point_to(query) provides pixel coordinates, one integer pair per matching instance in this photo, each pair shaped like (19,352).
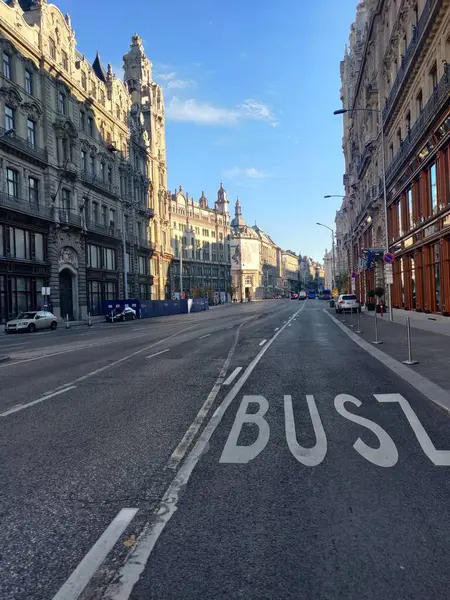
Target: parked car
(302,296)
(121,314)
(32,321)
(347,302)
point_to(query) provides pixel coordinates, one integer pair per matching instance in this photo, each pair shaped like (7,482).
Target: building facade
(82,170)
(200,239)
(397,63)
(290,272)
(328,269)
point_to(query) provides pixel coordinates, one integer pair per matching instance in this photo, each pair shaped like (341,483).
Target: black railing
(407,59)
(25,206)
(107,230)
(364,160)
(94,181)
(68,217)
(15,141)
(432,107)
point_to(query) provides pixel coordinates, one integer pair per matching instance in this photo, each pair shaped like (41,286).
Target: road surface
(253,451)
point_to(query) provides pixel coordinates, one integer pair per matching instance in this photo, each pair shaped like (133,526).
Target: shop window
(437,275)
(433,189)
(399,212)
(95,297)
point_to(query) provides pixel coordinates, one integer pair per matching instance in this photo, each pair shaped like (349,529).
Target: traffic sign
(388,274)
(389,258)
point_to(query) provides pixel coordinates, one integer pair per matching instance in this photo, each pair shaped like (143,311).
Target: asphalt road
(239,453)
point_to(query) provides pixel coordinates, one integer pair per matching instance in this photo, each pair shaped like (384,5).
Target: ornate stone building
(82,170)
(290,272)
(397,63)
(200,236)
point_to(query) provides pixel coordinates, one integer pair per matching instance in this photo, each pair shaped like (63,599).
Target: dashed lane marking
(204,336)
(158,353)
(262,343)
(19,407)
(233,376)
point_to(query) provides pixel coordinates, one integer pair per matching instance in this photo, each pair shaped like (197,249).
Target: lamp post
(333,274)
(182,247)
(343,111)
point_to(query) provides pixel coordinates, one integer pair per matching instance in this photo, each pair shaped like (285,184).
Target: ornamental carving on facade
(65,128)
(33,110)
(11,96)
(68,256)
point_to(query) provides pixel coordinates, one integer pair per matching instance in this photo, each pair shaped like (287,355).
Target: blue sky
(250,87)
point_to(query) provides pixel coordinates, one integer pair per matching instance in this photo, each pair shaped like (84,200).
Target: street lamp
(332,245)
(342,111)
(183,247)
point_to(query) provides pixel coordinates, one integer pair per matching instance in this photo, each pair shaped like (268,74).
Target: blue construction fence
(158,308)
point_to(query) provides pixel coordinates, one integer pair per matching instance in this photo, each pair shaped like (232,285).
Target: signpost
(388,274)
(389,258)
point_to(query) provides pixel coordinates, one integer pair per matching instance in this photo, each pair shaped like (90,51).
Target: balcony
(409,58)
(106,230)
(365,158)
(23,206)
(148,212)
(432,108)
(23,146)
(99,185)
(69,217)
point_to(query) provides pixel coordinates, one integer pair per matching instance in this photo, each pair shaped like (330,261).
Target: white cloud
(171,82)
(166,76)
(195,111)
(246,172)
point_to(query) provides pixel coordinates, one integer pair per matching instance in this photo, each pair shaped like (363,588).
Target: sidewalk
(429,347)
(431,322)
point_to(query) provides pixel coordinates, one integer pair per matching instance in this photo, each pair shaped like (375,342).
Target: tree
(342,283)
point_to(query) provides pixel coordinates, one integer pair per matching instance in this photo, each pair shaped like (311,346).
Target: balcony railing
(364,160)
(68,217)
(24,206)
(408,57)
(105,186)
(15,141)
(432,107)
(107,230)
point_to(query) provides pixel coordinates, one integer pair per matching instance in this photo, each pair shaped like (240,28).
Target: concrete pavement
(330,489)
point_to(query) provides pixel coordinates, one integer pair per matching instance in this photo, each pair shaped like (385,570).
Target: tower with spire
(222,203)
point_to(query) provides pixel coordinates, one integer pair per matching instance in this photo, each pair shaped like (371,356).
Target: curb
(4,359)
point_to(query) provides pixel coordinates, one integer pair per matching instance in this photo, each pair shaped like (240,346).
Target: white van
(302,296)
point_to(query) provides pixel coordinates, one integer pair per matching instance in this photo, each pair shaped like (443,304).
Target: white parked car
(347,302)
(302,296)
(31,321)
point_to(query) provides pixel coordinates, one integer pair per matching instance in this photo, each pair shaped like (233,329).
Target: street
(253,451)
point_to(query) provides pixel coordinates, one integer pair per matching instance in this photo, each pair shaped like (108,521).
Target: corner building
(398,63)
(83,194)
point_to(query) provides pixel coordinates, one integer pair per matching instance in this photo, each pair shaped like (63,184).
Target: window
(419,102)
(118,112)
(92,163)
(408,124)
(391,151)
(94,256)
(33,190)
(6,65)
(399,138)
(65,148)
(39,246)
(144,291)
(82,120)
(66,199)
(434,202)
(400,226)
(9,118)
(433,77)
(109,259)
(410,208)
(31,133)
(143,265)
(20,243)
(95,212)
(112,217)
(83,160)
(104,215)
(91,126)
(52,48)
(110,290)
(83,80)
(95,297)
(62,103)
(110,175)
(65,60)
(102,171)
(102,97)
(28,82)
(12,182)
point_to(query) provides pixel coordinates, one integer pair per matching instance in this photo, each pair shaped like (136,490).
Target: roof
(98,68)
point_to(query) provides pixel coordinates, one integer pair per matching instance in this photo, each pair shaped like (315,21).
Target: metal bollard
(359,323)
(377,341)
(410,360)
(67,322)
(89,320)
(351,317)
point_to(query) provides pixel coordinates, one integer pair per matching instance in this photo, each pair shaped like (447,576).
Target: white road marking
(158,353)
(238,454)
(233,376)
(19,407)
(84,572)
(438,457)
(181,449)
(426,387)
(230,327)
(290,325)
(276,328)
(204,336)
(262,343)
(129,574)
(386,455)
(311,457)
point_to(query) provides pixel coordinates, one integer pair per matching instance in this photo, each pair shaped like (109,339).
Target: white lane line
(230,327)
(290,325)
(82,575)
(204,336)
(262,343)
(136,561)
(276,328)
(158,353)
(428,388)
(71,384)
(233,376)
(180,451)
(19,407)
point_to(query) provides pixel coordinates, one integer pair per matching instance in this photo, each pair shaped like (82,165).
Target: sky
(250,88)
